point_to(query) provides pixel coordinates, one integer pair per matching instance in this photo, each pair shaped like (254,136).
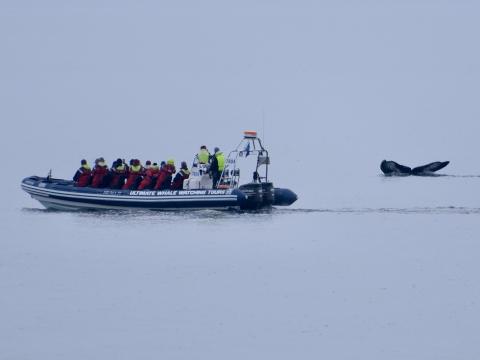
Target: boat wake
(218,214)
(412,210)
(433,175)
(462,176)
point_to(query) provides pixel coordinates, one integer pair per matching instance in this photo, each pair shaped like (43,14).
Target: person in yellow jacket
(217,164)
(203,155)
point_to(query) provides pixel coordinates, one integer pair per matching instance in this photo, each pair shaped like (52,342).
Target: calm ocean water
(364,272)
(361,267)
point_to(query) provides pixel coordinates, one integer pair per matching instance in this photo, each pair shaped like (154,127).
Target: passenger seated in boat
(83,176)
(203,156)
(148,164)
(134,176)
(183,174)
(100,174)
(127,166)
(118,174)
(150,178)
(164,179)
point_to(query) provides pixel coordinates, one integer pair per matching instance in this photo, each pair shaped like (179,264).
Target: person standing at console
(203,156)
(217,164)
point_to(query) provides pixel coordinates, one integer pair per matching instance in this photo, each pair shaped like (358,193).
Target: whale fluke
(429,169)
(391,168)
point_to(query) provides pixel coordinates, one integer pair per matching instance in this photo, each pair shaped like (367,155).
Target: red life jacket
(99,173)
(165,177)
(150,179)
(118,177)
(132,179)
(162,177)
(84,177)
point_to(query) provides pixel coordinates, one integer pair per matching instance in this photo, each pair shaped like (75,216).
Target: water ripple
(412,210)
(218,214)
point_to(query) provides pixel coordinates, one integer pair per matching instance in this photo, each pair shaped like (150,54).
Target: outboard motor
(254,196)
(260,195)
(267,194)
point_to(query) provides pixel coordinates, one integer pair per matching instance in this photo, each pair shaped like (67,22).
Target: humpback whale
(391,168)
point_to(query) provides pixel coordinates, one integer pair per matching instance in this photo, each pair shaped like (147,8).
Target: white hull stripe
(73,205)
(136,200)
(35,190)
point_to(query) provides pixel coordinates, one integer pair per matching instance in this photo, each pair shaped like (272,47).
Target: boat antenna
(263,125)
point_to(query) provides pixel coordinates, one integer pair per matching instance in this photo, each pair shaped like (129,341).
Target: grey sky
(342,84)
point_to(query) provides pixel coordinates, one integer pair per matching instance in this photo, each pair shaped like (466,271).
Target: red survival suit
(83,176)
(98,175)
(177,183)
(134,176)
(119,174)
(150,178)
(165,177)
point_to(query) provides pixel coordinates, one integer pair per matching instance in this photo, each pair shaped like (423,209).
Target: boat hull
(63,195)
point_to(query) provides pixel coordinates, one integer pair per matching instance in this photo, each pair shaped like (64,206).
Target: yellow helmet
(171,162)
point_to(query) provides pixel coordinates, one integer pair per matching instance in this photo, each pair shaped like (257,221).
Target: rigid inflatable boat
(198,190)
